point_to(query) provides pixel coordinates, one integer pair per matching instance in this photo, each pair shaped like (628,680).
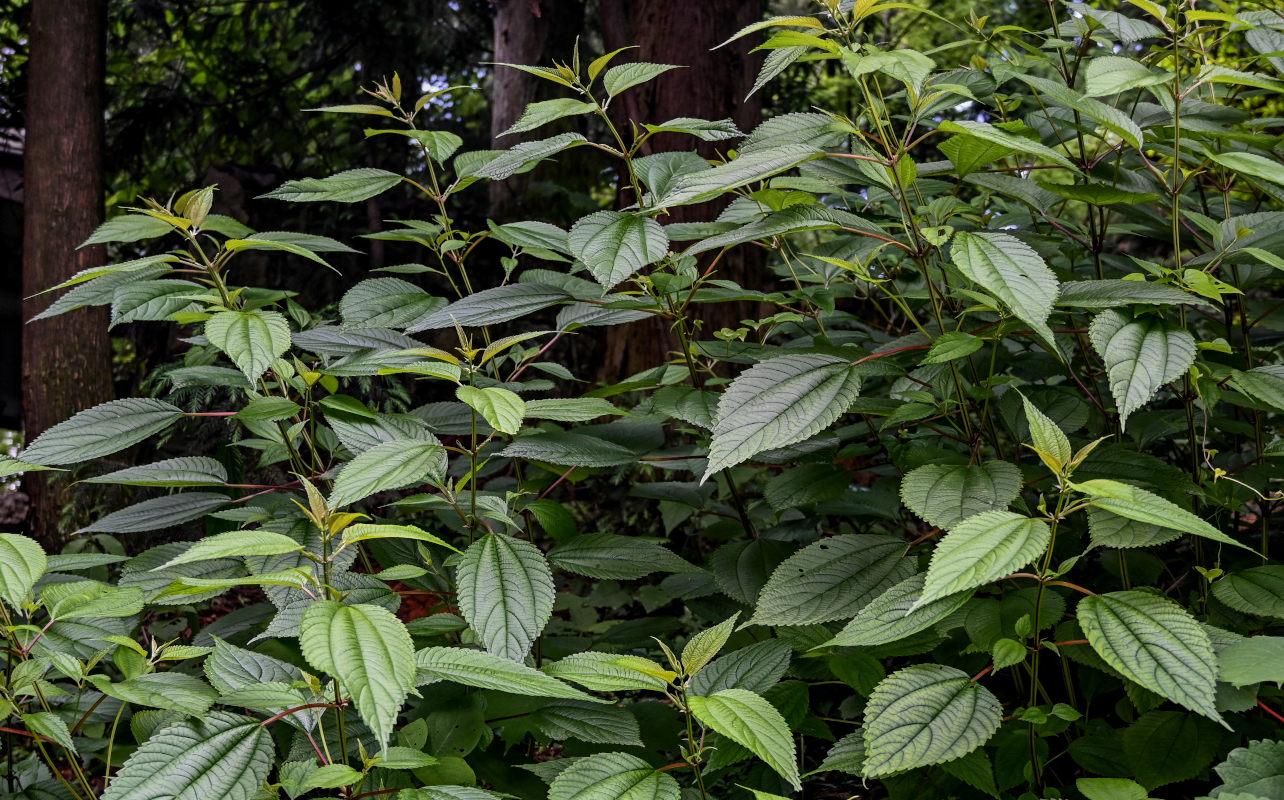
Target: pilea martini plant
(986,506)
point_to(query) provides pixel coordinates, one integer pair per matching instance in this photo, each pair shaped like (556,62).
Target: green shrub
(984,507)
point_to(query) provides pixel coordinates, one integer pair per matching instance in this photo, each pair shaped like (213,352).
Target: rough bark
(713,86)
(66,361)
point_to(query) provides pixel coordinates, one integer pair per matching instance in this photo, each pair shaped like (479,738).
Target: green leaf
(1258,591)
(252,339)
(1251,660)
(1107,75)
(982,549)
(486,671)
(128,227)
(50,726)
(539,114)
(152,300)
(170,473)
(757,668)
(946,495)
(1170,746)
(1049,441)
(1255,771)
(502,409)
(701,648)
(101,431)
(896,614)
(80,599)
(332,776)
(1251,164)
(369,651)
(363,532)
(10,466)
(1110,118)
(748,720)
(22,562)
(923,715)
(493,306)
(615,245)
(570,409)
(1138,504)
(221,755)
(779,402)
(1154,642)
(505,593)
(1141,355)
(952,346)
(570,449)
(995,135)
(847,755)
(626,76)
(387,466)
(613,776)
(173,691)
(703,129)
(236,543)
(749,168)
(609,556)
(1013,272)
(1111,788)
(158,513)
(527,154)
(349,186)
(1112,530)
(1110,293)
(386,303)
(605,672)
(831,579)
(589,722)
(230,668)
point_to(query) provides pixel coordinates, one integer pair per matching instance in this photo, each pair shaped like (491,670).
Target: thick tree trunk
(713,86)
(66,361)
(526,32)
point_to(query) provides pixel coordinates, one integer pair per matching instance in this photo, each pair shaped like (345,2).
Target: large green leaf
(252,339)
(995,135)
(236,543)
(757,668)
(1169,746)
(486,671)
(607,672)
(1251,164)
(626,76)
(748,720)
(614,245)
(152,300)
(696,187)
(1107,75)
(170,473)
(129,227)
(369,651)
(502,409)
(779,402)
(895,614)
(22,562)
(831,579)
(1110,293)
(589,722)
(1154,642)
(90,599)
(570,449)
(540,114)
(613,776)
(158,513)
(982,549)
(1257,590)
(847,755)
(1255,771)
(1141,355)
(1110,118)
(221,755)
(1128,501)
(173,691)
(1251,660)
(505,593)
(1012,271)
(526,155)
(945,495)
(391,465)
(386,303)
(493,306)
(1112,530)
(101,431)
(924,715)
(609,556)
(349,186)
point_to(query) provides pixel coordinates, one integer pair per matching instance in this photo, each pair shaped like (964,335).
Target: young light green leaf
(170,473)
(252,339)
(369,651)
(387,466)
(1111,788)
(609,672)
(626,76)
(22,562)
(952,346)
(219,755)
(486,671)
(701,648)
(779,402)
(540,114)
(505,593)
(365,532)
(831,579)
(946,495)
(502,409)
(982,549)
(236,543)
(1050,443)
(616,244)
(924,715)
(1013,272)
(990,133)
(101,431)
(1154,642)
(895,614)
(128,227)
(1141,355)
(172,691)
(613,776)
(748,720)
(50,726)
(1128,501)
(349,186)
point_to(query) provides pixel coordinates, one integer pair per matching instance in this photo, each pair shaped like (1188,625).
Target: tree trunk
(713,86)
(526,32)
(66,361)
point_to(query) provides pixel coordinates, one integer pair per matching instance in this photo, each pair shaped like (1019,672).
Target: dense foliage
(981,505)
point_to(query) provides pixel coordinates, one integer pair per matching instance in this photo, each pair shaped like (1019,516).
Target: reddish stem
(296,709)
(1262,705)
